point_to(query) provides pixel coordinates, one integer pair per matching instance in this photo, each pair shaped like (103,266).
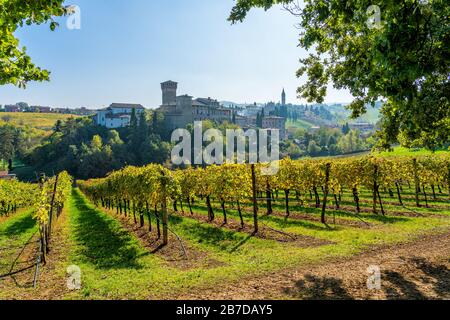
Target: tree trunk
(134,213)
(286,197)
(316,196)
(325,191)
(398,194)
(416,182)
(240,214)
(189,204)
(391,194)
(175,206)
(425,195)
(381,203)
(210,209)
(222,204)
(356,197)
(181,205)
(165,217)
(269,199)
(255,204)
(434,192)
(336,201)
(149,217)
(375,189)
(448,180)
(141,216)
(158,223)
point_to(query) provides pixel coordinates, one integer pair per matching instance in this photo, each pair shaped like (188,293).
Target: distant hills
(339,113)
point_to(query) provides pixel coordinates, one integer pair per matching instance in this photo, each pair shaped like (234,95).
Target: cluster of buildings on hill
(23,107)
(181,110)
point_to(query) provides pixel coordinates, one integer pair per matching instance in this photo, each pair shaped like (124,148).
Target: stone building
(273,122)
(181,110)
(246,122)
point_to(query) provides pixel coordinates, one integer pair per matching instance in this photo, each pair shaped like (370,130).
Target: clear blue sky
(126,48)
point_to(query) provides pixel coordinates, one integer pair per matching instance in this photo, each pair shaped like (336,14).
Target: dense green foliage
(16,66)
(326,142)
(86,150)
(401,56)
(16,142)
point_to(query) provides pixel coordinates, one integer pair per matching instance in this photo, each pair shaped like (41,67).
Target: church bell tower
(283,98)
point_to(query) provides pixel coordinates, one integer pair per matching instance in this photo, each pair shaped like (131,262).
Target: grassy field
(41,121)
(400,151)
(299,124)
(119,260)
(17,243)
(117,264)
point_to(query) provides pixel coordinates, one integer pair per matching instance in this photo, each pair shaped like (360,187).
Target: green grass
(15,232)
(400,151)
(18,227)
(299,124)
(115,265)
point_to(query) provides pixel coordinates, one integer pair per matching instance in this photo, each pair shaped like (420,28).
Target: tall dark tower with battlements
(283,98)
(169,92)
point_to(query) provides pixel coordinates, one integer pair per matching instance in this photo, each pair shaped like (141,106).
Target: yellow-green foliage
(233,182)
(44,200)
(40,121)
(15,194)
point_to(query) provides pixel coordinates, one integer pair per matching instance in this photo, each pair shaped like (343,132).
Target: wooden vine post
(416,182)
(375,189)
(268,197)
(255,204)
(325,192)
(448,179)
(50,220)
(165,218)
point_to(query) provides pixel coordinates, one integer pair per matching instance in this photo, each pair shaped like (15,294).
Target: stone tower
(169,92)
(283,98)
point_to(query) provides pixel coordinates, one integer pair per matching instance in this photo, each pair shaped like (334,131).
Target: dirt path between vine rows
(415,270)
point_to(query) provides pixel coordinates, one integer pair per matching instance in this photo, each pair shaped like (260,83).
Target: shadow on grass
(103,242)
(19,226)
(281,222)
(342,213)
(222,239)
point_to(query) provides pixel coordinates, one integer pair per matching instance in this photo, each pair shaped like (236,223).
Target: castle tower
(169,92)
(283,98)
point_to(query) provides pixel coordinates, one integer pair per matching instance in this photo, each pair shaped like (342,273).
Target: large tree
(16,66)
(394,50)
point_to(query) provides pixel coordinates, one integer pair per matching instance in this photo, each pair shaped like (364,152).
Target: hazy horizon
(124,50)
